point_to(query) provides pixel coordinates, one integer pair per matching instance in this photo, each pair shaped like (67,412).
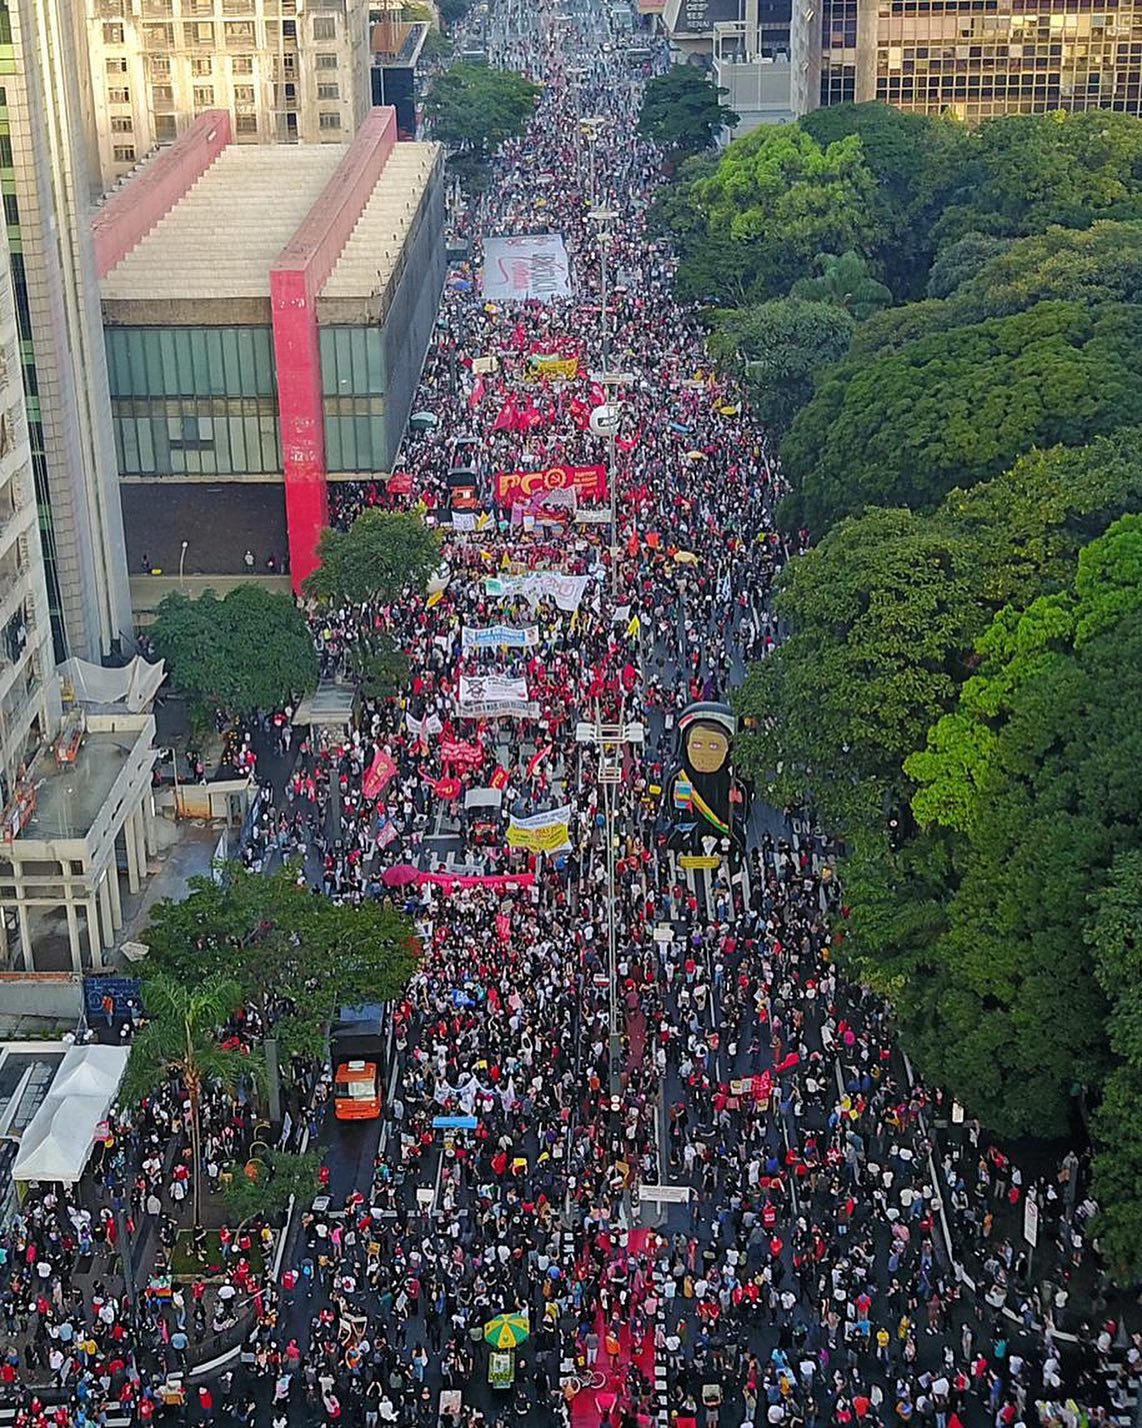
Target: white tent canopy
(59,1137)
(134,685)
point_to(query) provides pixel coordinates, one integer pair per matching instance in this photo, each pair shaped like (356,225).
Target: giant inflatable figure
(701,798)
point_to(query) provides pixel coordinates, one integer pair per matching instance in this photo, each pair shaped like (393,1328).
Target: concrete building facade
(45,180)
(286,71)
(266,314)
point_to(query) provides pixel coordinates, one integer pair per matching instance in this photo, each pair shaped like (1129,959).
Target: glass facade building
(197,401)
(978,59)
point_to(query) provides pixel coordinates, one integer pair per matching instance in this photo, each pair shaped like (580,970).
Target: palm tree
(845,282)
(181,1037)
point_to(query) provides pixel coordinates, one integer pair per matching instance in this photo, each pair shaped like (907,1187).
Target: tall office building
(975,58)
(47,197)
(288,71)
(29,699)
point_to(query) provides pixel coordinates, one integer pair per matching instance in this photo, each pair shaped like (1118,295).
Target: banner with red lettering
(590,482)
(378,774)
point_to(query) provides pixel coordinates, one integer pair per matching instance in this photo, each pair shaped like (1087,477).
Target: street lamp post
(182,562)
(610,741)
(603,216)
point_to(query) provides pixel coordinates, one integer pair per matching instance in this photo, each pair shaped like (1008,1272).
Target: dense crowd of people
(703,1176)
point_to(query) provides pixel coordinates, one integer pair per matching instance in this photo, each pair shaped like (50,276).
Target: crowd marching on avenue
(685,1162)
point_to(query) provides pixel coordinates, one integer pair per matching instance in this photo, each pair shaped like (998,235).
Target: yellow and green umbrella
(506,1331)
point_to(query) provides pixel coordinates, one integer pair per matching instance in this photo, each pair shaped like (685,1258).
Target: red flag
(446,787)
(506,421)
(476,396)
(537,758)
(499,778)
(503,926)
(378,774)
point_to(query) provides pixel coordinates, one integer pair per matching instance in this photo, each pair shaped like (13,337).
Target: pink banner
(461,751)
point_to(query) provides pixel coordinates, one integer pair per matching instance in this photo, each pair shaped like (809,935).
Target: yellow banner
(697,860)
(548,839)
(551,369)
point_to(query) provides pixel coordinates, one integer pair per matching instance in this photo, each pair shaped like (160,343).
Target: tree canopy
(297,956)
(954,408)
(250,650)
(476,108)
(778,348)
(772,203)
(380,555)
(682,110)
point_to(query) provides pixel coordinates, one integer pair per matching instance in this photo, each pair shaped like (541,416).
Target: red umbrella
(400,876)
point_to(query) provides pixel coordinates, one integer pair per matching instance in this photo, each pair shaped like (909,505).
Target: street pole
(610,740)
(614,482)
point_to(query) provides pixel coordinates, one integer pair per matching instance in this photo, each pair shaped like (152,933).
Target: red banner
(461,751)
(589,481)
(377,775)
(446,787)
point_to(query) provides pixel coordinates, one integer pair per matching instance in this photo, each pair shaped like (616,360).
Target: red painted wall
(296,278)
(137,205)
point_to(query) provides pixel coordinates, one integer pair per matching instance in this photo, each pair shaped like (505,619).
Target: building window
(239,34)
(11,209)
(122,124)
(324,27)
(243,94)
(328,91)
(326,61)
(119,96)
(201,67)
(203,96)
(243,64)
(245,124)
(162,94)
(113,35)
(158,37)
(124,153)
(116,65)
(158,66)
(200,35)
(329,120)
(289,29)
(165,129)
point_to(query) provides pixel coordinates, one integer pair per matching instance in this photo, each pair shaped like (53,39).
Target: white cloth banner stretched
(431,724)
(534,265)
(491,689)
(492,710)
(566,590)
(490,637)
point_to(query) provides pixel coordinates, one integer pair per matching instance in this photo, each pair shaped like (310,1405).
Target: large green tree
(778,348)
(295,956)
(250,650)
(475,108)
(774,201)
(918,162)
(377,558)
(844,280)
(1113,934)
(881,614)
(1025,172)
(1035,780)
(951,409)
(682,111)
